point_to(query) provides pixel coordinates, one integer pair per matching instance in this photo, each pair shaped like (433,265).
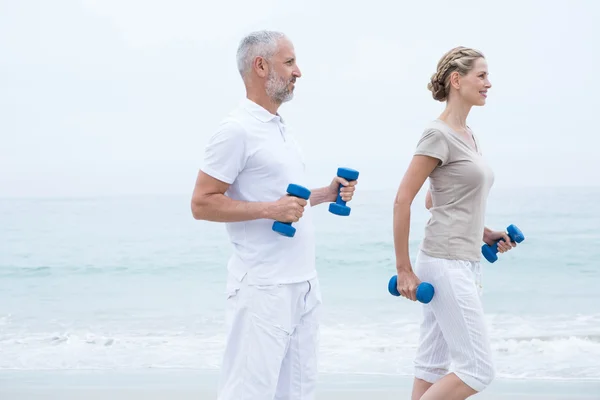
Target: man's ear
(261,67)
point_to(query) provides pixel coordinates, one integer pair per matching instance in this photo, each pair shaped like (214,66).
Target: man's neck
(264,101)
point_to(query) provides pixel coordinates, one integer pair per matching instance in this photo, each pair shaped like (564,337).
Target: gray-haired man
(273,293)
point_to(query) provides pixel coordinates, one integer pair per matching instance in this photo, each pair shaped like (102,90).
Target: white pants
(272,343)
(453,327)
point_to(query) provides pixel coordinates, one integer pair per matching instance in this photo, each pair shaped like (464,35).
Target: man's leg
(257,342)
(298,376)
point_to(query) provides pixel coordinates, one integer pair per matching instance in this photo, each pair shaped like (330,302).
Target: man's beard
(277,88)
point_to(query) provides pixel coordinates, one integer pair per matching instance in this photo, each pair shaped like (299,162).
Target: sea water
(131,283)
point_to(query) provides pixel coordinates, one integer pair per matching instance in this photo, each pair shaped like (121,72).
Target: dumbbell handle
(286,228)
(494,247)
(340,207)
(339,199)
(490,251)
(425,290)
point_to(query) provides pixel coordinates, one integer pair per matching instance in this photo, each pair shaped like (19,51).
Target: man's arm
(322,195)
(328,194)
(210,203)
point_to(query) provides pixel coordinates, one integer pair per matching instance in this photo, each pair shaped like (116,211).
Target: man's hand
(505,244)
(287,209)
(347,190)
(328,194)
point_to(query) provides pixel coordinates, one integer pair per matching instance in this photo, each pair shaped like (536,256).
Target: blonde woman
(449,154)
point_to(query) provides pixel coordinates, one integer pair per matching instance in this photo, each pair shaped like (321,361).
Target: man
(273,293)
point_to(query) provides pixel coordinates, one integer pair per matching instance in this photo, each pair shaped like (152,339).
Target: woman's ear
(455,80)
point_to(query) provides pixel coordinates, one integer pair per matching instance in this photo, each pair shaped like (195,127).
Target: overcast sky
(120,97)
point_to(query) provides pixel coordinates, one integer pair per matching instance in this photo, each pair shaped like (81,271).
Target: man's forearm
(320,195)
(220,208)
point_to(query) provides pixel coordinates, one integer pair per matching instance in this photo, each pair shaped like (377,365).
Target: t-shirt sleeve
(434,144)
(225,153)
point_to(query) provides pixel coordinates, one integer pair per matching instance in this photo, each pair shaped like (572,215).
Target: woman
(449,154)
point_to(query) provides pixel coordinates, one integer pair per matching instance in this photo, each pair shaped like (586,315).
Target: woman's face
(473,86)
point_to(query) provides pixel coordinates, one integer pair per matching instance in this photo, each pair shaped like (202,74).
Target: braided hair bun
(460,59)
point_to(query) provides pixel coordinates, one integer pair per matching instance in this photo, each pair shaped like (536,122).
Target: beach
(188,385)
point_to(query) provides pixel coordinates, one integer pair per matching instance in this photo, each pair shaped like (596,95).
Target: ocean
(135,283)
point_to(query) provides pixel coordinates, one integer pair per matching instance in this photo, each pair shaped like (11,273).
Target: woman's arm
(428,200)
(490,237)
(416,174)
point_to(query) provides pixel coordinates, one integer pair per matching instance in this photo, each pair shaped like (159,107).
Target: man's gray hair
(256,44)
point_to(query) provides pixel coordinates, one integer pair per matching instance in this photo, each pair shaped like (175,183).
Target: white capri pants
(453,327)
(272,343)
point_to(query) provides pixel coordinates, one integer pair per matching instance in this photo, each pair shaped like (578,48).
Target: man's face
(283,72)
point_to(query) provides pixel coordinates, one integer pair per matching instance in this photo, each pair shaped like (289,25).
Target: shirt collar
(258,112)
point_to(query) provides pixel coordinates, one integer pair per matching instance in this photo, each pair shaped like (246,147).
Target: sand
(200,385)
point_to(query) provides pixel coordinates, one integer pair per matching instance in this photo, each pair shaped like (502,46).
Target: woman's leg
(433,356)
(419,388)
(450,387)
(459,313)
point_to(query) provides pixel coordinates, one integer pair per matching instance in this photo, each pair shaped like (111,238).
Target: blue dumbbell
(490,252)
(286,228)
(425,290)
(340,207)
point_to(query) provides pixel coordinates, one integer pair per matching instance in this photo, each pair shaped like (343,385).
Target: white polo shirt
(254,152)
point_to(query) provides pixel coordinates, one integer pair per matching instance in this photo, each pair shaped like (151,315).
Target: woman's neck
(456,114)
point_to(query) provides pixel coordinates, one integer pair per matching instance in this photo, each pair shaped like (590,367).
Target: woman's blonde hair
(459,59)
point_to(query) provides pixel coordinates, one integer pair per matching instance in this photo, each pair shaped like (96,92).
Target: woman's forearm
(486,232)
(401,232)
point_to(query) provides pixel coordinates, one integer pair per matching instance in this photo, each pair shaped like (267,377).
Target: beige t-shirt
(459,188)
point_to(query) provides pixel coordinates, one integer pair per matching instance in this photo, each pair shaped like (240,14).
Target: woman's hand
(407,282)
(505,244)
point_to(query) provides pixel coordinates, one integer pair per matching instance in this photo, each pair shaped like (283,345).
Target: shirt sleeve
(225,153)
(434,144)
